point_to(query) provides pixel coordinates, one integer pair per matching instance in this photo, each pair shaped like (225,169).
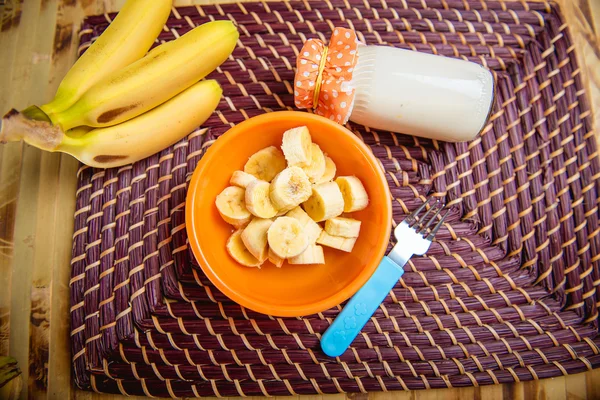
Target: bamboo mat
(507,293)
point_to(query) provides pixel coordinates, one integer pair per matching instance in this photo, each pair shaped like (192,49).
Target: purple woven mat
(507,292)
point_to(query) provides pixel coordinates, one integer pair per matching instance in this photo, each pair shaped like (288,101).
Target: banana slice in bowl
(287,238)
(290,188)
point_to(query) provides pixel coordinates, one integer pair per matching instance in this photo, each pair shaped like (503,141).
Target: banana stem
(17,126)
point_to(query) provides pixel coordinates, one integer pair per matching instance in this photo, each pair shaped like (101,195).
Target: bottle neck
(362,80)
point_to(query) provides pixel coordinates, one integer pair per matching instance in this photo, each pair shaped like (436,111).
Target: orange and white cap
(323,75)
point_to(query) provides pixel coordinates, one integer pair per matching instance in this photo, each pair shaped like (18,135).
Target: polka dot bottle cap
(323,75)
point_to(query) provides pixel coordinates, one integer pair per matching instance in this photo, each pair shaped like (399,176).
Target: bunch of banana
(117,105)
(278,200)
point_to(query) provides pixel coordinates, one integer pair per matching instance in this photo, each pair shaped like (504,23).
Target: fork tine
(432,219)
(438,226)
(412,216)
(423,219)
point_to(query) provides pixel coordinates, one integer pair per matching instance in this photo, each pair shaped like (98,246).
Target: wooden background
(38,44)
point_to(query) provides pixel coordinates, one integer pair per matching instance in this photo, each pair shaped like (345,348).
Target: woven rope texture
(507,293)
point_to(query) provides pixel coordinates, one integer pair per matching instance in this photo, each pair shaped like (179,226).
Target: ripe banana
(290,188)
(355,195)
(311,228)
(316,168)
(238,251)
(254,237)
(241,179)
(275,259)
(326,202)
(266,163)
(330,170)
(126,40)
(231,206)
(312,255)
(286,237)
(258,201)
(124,143)
(163,73)
(296,146)
(336,242)
(345,227)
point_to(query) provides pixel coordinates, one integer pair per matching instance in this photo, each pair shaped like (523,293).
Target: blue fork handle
(360,308)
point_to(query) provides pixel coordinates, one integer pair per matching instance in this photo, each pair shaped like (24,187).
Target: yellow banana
(238,251)
(127,39)
(354,193)
(127,142)
(316,168)
(230,204)
(337,242)
(286,237)
(344,227)
(326,202)
(296,146)
(164,72)
(266,163)
(312,255)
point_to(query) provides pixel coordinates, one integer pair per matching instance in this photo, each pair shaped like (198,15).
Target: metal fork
(413,236)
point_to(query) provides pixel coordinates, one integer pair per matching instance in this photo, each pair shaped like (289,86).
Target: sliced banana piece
(316,168)
(254,237)
(258,199)
(284,211)
(355,195)
(311,228)
(330,170)
(266,163)
(336,242)
(345,227)
(296,146)
(275,259)
(238,251)
(242,179)
(232,206)
(326,202)
(290,188)
(312,255)
(286,237)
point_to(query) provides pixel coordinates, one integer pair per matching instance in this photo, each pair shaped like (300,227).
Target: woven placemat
(507,293)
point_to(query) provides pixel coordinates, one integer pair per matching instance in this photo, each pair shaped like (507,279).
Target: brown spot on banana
(105,159)
(111,115)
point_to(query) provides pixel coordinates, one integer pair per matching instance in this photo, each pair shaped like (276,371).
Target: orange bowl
(293,290)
